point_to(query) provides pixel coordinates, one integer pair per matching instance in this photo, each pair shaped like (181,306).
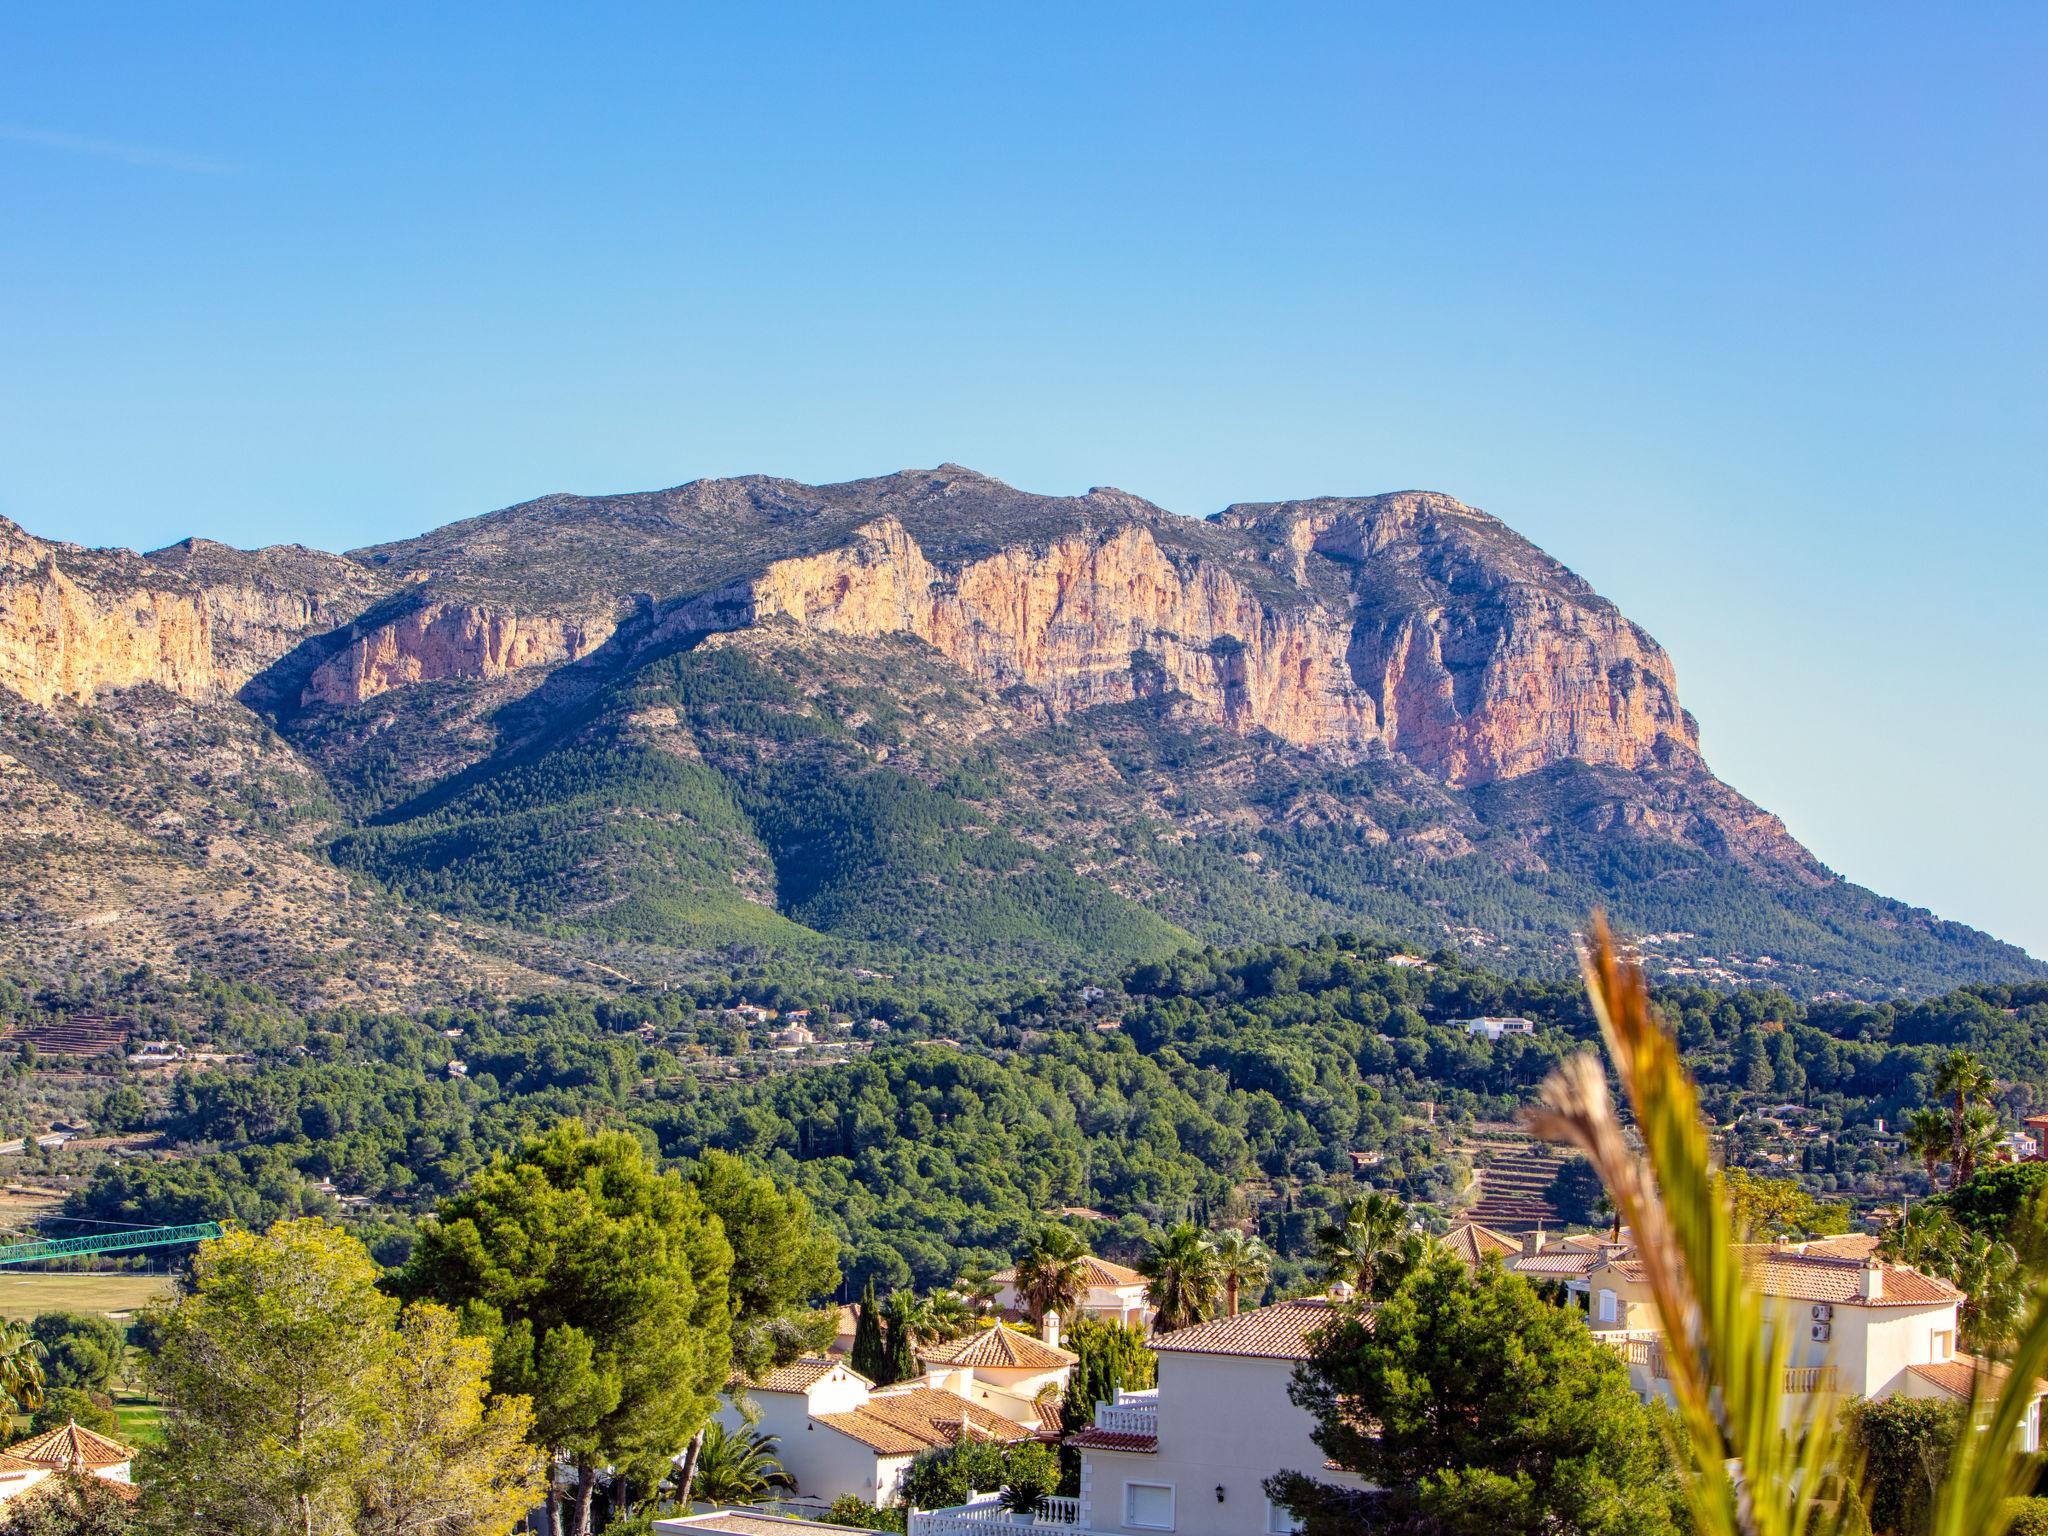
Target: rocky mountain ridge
(1406,638)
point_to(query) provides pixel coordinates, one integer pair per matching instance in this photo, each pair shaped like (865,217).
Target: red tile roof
(802,1375)
(1093,1439)
(1278,1332)
(72,1447)
(998,1347)
(1471,1243)
(1960,1375)
(920,1419)
(1099,1271)
(1828,1269)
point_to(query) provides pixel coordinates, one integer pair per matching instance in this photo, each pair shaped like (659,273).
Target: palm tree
(737,1466)
(1963,1080)
(1363,1246)
(1927,1138)
(1241,1261)
(1052,1276)
(1181,1277)
(21,1365)
(1980,1138)
(907,1323)
(948,1316)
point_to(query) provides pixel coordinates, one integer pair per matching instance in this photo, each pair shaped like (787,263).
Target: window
(1149,1506)
(1944,1346)
(1607,1306)
(1279,1522)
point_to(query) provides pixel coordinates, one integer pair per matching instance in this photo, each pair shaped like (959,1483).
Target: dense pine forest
(936,1131)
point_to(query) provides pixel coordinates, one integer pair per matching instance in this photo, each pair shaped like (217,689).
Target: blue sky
(1738,311)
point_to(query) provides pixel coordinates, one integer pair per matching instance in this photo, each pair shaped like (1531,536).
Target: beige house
(1857,1326)
(838,1433)
(1115,1294)
(1005,1371)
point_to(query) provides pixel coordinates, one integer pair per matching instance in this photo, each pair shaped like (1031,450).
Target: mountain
(925,720)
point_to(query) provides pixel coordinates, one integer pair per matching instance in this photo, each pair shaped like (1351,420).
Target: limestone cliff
(463,641)
(1097,618)
(1411,621)
(76,623)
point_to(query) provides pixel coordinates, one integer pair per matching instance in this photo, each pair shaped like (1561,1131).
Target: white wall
(1222,1420)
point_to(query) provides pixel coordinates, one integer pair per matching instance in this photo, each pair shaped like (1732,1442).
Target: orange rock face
(454,640)
(1525,671)
(1090,620)
(66,637)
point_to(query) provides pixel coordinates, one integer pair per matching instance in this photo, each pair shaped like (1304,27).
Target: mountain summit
(924,715)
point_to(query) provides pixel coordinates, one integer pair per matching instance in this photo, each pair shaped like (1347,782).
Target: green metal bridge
(108,1242)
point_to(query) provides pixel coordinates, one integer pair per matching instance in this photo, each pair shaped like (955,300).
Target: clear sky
(1738,312)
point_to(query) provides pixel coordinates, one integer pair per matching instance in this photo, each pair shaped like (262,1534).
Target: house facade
(1115,1294)
(838,1433)
(1190,1456)
(1857,1326)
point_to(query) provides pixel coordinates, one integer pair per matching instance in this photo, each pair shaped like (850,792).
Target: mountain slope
(937,720)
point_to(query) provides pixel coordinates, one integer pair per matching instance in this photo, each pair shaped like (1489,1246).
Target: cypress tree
(901,1363)
(869,1356)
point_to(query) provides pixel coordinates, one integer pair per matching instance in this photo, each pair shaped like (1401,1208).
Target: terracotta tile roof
(1849,1245)
(1824,1270)
(1093,1439)
(71,1447)
(802,1375)
(1099,1271)
(920,1419)
(1959,1375)
(1576,1261)
(998,1347)
(1816,1277)
(1471,1243)
(1050,1421)
(1278,1332)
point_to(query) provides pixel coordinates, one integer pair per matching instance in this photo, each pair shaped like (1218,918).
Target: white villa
(27,1466)
(1494,1028)
(841,1434)
(1115,1294)
(1192,1455)
(1859,1327)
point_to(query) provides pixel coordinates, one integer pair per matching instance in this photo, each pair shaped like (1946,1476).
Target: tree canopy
(1474,1407)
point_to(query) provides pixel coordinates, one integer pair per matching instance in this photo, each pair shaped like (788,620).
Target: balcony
(1639,1348)
(1643,1349)
(1133,1413)
(985,1516)
(1800,1379)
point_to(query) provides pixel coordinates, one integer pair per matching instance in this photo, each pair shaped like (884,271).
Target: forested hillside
(936,1131)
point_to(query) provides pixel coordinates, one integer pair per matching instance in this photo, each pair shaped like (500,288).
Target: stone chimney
(1872,1288)
(1532,1242)
(1049,1327)
(1342,1291)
